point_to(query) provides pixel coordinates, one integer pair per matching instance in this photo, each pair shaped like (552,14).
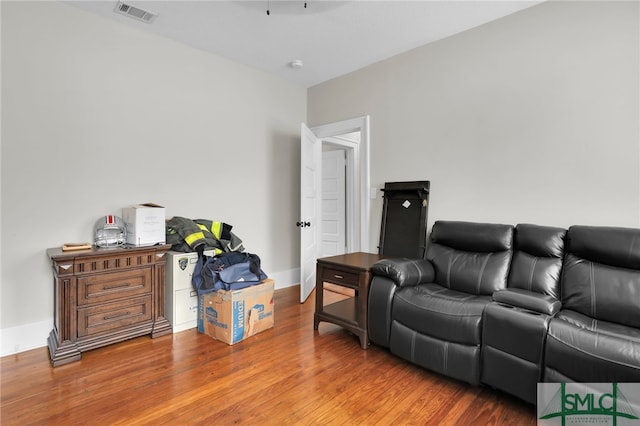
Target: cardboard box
(232,316)
(145,224)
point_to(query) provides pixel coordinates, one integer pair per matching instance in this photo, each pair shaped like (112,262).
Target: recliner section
(596,335)
(509,307)
(436,321)
(517,320)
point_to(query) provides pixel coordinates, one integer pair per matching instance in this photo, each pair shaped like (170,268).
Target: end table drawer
(340,277)
(112,316)
(111,286)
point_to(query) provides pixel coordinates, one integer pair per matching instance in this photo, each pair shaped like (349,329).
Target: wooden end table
(351,270)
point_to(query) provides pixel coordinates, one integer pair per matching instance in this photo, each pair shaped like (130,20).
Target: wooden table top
(357,260)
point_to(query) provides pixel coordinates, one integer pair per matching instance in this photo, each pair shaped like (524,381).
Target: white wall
(97,115)
(531,118)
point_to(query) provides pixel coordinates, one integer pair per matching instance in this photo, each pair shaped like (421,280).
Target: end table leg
(364,341)
(316,321)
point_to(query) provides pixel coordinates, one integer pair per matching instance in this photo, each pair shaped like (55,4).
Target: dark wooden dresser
(104,296)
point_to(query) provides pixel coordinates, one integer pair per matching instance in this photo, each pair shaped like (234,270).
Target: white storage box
(145,224)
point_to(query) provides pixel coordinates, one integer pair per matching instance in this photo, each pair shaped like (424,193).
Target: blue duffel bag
(226,271)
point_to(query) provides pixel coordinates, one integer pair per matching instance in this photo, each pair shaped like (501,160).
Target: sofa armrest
(404,271)
(526,299)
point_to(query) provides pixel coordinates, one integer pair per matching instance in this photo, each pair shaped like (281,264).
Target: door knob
(303,224)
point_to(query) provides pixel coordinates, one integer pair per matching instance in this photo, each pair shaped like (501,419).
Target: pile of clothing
(187,235)
(230,268)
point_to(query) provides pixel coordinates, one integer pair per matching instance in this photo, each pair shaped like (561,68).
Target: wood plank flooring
(289,374)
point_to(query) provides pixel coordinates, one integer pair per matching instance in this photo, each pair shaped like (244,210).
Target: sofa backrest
(471,257)
(537,259)
(601,273)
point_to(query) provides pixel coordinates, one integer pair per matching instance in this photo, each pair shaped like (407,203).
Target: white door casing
(358,180)
(358,184)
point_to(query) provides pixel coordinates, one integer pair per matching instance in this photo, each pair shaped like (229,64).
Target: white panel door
(310,175)
(333,224)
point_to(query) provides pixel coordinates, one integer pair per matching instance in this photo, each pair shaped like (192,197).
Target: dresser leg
(62,354)
(161,327)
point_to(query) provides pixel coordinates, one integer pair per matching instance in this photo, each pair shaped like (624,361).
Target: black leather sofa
(510,306)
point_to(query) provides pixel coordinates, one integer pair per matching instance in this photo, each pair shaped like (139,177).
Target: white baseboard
(31,336)
(24,337)
(286,278)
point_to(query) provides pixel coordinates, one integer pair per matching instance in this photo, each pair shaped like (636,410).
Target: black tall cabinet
(404,219)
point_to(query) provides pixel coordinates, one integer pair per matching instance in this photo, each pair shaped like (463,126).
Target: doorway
(338,194)
(352,138)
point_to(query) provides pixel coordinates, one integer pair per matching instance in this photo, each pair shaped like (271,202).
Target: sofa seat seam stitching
(635,367)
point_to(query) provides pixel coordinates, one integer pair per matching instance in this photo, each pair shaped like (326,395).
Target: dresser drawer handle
(111,287)
(126,314)
(338,276)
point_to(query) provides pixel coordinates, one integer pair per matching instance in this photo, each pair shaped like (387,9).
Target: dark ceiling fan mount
(269,7)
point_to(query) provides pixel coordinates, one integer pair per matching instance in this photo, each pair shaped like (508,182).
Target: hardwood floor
(289,374)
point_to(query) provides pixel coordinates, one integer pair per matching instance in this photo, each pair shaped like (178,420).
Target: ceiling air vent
(135,12)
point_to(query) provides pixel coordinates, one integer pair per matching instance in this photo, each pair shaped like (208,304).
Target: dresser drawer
(105,287)
(340,277)
(115,315)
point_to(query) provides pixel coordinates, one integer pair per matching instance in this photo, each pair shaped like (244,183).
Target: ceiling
(331,38)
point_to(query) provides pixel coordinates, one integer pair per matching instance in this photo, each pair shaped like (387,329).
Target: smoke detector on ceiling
(135,12)
(296,64)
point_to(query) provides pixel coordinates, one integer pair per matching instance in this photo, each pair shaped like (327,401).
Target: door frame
(358,176)
(351,232)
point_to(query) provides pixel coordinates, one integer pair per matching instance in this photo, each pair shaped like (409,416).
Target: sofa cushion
(446,314)
(469,272)
(471,236)
(587,350)
(536,274)
(471,257)
(612,246)
(540,241)
(600,291)
(537,259)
